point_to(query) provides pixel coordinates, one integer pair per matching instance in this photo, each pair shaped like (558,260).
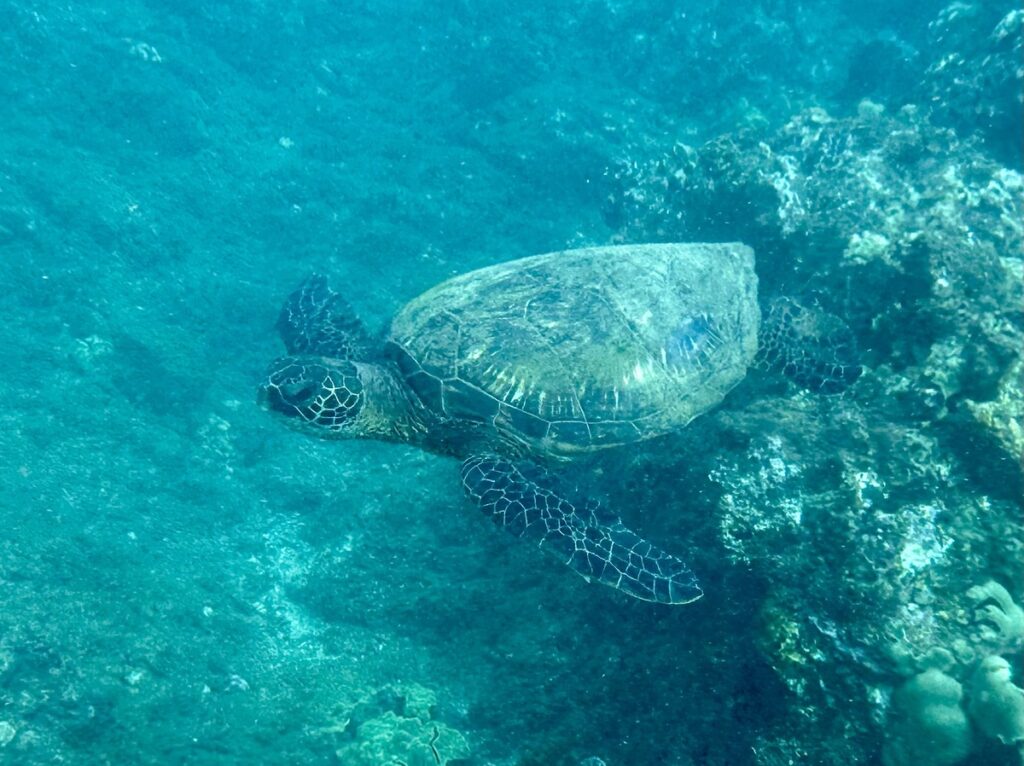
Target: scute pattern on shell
(582,349)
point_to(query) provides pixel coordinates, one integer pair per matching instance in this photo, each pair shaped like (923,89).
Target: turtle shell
(579,350)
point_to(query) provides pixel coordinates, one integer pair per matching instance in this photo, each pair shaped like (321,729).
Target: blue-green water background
(187,581)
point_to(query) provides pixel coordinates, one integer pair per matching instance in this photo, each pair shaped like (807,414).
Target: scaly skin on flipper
(315,320)
(527,502)
(813,348)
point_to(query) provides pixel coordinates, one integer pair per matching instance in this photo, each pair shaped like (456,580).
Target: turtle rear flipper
(527,502)
(815,349)
(316,321)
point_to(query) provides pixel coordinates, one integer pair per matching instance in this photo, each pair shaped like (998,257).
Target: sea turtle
(520,367)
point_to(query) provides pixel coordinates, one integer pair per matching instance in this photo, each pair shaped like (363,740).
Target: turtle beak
(263,396)
(282,388)
(265,390)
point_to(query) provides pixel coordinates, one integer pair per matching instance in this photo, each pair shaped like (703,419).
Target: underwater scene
(474,383)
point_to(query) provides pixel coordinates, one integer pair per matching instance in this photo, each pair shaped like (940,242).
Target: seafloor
(185,580)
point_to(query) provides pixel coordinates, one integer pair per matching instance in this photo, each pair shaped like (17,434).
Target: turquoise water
(185,579)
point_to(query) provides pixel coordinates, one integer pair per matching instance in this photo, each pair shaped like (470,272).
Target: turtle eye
(297,394)
(290,386)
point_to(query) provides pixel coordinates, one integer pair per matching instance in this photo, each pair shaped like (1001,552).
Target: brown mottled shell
(579,350)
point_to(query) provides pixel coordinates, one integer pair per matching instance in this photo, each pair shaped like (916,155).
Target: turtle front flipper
(315,320)
(811,347)
(528,502)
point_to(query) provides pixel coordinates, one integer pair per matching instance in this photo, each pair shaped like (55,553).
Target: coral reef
(398,727)
(928,724)
(863,513)
(903,228)
(996,612)
(996,704)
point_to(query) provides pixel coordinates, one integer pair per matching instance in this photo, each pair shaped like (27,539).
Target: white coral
(996,611)
(996,704)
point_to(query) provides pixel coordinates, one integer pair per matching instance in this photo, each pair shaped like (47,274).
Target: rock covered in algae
(864,514)
(910,232)
(975,80)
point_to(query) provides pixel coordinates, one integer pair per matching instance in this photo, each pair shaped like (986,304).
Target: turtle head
(340,398)
(317,393)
